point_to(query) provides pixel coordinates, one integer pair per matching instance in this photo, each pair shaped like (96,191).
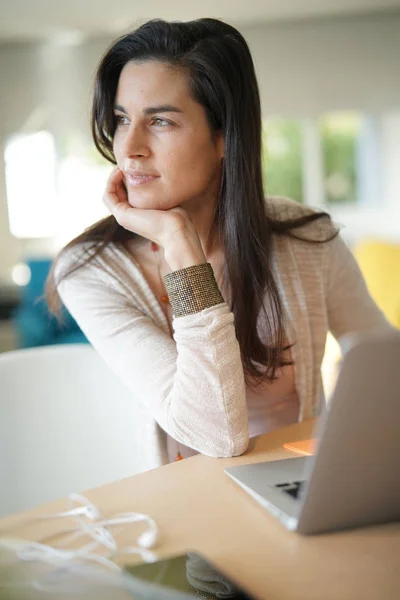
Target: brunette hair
(222,79)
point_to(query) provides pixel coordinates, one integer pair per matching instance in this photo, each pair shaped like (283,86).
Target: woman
(211,303)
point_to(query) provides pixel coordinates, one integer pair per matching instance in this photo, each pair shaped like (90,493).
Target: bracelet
(193,289)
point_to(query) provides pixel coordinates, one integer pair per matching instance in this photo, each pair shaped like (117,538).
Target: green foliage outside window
(339,137)
(282,160)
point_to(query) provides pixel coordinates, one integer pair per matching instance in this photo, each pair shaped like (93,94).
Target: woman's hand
(172,229)
(159,226)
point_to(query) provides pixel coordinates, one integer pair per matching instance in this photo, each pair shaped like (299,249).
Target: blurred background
(330,85)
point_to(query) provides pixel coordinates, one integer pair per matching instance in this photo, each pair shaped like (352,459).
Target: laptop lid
(354,478)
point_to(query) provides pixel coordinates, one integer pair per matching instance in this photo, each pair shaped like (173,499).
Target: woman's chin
(140,201)
(148,203)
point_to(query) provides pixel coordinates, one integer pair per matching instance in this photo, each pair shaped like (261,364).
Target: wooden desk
(198,507)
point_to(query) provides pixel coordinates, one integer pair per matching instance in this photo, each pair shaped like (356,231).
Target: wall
(310,67)
(304,69)
(19,92)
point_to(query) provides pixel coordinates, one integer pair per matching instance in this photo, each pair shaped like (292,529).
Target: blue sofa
(33,323)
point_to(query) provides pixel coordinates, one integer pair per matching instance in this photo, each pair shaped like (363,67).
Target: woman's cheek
(117,149)
(118,156)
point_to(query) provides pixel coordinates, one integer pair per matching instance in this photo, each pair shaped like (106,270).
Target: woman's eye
(121,120)
(161,122)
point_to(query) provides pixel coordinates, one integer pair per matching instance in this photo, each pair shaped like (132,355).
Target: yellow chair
(380,264)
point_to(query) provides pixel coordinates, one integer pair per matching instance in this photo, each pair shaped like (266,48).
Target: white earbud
(97,528)
(148,539)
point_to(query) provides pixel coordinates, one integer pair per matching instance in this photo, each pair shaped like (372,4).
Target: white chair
(67,423)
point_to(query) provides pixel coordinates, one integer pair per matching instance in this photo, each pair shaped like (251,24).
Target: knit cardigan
(192,386)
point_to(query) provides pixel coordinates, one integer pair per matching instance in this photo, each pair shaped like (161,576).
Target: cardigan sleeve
(350,306)
(193,385)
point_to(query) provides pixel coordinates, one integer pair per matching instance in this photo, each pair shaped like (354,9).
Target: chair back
(67,424)
(379,262)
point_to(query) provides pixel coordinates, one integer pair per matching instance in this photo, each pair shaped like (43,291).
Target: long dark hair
(222,79)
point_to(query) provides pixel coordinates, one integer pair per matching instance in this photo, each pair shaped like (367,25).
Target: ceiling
(73,20)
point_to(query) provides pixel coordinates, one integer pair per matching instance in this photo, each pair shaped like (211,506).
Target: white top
(269,406)
(192,386)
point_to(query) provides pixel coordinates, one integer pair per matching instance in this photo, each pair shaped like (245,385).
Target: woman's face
(162,142)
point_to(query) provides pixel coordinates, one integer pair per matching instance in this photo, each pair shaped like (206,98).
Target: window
(53,192)
(30,163)
(82,175)
(339,134)
(282,158)
(315,157)
(55,187)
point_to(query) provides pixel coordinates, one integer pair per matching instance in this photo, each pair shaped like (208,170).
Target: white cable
(91,523)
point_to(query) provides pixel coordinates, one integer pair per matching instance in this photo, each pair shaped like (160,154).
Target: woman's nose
(135,143)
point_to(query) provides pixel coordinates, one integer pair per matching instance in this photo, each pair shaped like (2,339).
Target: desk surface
(198,507)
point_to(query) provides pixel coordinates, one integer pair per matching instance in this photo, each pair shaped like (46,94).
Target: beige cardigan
(192,386)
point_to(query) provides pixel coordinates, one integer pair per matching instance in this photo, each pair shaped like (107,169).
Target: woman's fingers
(115,191)
(147,223)
(156,225)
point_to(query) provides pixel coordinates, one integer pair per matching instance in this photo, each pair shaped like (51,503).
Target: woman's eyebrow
(152,110)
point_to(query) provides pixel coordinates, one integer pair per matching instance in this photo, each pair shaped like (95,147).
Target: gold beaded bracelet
(193,289)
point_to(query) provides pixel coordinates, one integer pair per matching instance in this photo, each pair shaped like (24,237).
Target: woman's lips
(139,179)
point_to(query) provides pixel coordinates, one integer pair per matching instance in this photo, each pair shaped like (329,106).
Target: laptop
(353,479)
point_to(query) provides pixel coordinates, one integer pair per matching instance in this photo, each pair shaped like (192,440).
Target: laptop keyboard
(293,488)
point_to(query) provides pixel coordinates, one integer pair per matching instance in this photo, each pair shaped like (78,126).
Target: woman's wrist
(192,289)
(184,251)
